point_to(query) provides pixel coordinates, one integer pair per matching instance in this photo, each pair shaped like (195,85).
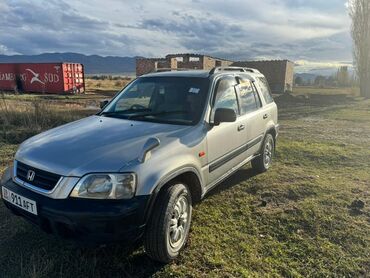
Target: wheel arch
(272,130)
(189,176)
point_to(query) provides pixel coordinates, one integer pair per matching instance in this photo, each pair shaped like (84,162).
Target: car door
(269,112)
(224,141)
(251,115)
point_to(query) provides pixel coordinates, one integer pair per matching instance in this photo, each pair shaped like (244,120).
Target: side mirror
(224,115)
(103,103)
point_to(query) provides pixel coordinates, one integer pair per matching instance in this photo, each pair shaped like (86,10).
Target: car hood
(93,144)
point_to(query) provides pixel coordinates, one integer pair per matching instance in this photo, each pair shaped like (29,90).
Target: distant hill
(306,77)
(326,72)
(94,64)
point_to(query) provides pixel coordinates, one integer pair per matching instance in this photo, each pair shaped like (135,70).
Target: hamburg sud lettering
(42,77)
(31,76)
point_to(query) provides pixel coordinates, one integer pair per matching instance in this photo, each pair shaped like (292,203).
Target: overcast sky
(310,32)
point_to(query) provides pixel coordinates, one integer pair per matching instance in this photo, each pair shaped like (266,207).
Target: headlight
(105,186)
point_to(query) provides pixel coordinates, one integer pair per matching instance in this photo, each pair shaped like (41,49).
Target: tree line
(342,78)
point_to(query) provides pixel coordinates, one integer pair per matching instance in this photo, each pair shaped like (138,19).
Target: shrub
(118,84)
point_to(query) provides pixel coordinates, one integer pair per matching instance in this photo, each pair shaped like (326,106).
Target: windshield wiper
(124,112)
(156,114)
(114,115)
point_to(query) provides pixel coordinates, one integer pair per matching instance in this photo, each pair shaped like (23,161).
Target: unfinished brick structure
(279,73)
(178,61)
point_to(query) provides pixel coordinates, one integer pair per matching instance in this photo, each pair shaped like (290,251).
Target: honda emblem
(30,175)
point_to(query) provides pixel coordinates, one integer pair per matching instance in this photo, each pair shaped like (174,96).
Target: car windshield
(173,100)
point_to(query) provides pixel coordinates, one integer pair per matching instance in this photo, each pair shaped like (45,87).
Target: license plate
(19,201)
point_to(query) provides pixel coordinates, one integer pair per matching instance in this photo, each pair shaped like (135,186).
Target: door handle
(265,116)
(241,127)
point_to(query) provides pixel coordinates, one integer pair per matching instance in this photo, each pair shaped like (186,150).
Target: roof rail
(238,69)
(252,70)
(170,69)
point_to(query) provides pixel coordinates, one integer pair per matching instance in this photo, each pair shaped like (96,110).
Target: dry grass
(105,85)
(20,120)
(353,91)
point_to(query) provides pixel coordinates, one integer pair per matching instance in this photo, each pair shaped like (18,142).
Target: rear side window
(249,100)
(225,95)
(265,90)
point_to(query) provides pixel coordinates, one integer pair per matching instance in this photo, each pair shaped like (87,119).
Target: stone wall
(210,62)
(289,77)
(144,65)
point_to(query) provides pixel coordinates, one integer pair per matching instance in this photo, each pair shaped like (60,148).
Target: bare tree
(359,11)
(343,77)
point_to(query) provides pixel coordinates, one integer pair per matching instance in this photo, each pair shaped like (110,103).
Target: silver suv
(135,169)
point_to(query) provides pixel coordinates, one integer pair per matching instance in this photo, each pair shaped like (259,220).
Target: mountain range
(306,77)
(94,64)
(114,65)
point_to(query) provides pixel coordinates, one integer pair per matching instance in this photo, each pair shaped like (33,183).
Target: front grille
(42,179)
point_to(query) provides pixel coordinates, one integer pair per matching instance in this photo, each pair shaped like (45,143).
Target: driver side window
(137,97)
(225,96)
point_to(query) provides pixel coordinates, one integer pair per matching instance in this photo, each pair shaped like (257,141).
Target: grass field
(306,90)
(307,217)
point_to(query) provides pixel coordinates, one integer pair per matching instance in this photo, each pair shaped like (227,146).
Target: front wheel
(263,162)
(169,225)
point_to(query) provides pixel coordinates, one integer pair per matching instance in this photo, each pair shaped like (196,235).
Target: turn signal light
(201,154)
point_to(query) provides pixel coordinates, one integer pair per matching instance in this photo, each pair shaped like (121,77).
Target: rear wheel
(169,225)
(263,162)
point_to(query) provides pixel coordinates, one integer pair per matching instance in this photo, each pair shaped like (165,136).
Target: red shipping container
(43,77)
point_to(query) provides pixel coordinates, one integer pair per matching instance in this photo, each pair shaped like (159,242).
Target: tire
(168,227)
(263,162)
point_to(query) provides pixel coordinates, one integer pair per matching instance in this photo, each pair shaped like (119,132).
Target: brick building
(178,61)
(279,73)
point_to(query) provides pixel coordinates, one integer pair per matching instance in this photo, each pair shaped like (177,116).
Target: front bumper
(86,220)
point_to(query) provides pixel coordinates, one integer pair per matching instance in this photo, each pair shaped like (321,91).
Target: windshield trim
(152,120)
